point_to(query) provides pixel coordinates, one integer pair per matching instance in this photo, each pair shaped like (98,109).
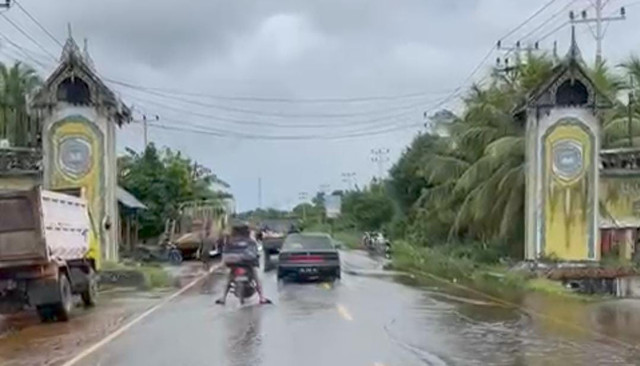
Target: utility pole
(380,156)
(144,124)
(145,127)
(630,105)
(503,65)
(303,196)
(260,192)
(598,20)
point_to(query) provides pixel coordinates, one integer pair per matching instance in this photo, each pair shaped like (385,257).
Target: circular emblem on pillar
(568,159)
(74,156)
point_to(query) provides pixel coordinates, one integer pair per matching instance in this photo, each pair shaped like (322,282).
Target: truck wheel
(45,312)
(62,309)
(90,294)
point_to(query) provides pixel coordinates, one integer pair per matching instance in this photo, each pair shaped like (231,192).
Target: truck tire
(45,312)
(62,310)
(90,294)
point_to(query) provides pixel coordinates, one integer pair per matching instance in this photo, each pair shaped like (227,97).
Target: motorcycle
(165,252)
(242,285)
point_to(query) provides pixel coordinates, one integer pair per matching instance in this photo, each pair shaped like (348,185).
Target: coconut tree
(622,123)
(478,178)
(16,82)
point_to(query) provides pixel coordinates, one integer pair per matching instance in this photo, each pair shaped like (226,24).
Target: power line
(599,6)
(553,31)
(530,18)
(276,114)
(24,51)
(490,51)
(444,100)
(24,33)
(274,99)
(45,30)
(345,123)
(198,129)
(549,20)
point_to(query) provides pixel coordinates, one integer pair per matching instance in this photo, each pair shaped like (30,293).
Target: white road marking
(344,312)
(96,346)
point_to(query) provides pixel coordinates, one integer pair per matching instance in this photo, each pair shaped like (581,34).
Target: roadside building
(69,142)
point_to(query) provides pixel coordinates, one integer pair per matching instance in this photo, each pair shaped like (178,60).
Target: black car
(309,256)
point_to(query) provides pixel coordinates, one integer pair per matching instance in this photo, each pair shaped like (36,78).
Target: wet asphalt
(341,323)
(371,318)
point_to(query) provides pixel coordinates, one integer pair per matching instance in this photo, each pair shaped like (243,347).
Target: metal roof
(129,200)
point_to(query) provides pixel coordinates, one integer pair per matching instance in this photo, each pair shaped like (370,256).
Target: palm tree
(16,82)
(478,179)
(622,124)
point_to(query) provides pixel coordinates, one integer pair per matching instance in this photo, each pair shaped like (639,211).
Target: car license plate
(308,270)
(242,278)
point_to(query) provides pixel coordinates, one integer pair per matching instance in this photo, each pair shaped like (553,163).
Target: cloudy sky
(295,92)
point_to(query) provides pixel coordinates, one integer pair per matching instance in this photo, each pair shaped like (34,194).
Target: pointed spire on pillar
(70,48)
(574,53)
(85,54)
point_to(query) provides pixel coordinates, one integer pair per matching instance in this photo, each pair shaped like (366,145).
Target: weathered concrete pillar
(80,115)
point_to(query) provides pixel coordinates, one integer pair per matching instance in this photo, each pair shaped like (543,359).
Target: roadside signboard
(332,206)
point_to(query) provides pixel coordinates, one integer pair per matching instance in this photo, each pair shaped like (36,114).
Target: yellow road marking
(344,312)
(87,351)
(326,286)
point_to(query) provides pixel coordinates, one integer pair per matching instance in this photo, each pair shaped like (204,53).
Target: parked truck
(48,253)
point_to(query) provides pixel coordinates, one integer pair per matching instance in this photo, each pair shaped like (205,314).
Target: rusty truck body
(48,252)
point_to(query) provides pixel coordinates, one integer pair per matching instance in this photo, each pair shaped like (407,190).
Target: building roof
(77,63)
(571,67)
(129,200)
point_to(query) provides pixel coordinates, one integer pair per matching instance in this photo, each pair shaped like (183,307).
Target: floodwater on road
(369,320)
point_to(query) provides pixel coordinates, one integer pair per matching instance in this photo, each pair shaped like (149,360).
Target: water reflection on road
(362,320)
(541,330)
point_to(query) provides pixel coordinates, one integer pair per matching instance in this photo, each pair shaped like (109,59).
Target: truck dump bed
(38,226)
(20,227)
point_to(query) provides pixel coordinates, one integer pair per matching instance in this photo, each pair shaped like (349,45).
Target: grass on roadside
(154,275)
(350,239)
(494,279)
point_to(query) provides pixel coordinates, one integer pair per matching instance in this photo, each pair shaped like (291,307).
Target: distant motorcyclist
(241,242)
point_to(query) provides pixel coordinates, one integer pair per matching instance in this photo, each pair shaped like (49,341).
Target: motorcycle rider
(241,241)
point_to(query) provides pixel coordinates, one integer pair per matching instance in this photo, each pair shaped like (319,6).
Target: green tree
(369,209)
(162,179)
(474,178)
(16,82)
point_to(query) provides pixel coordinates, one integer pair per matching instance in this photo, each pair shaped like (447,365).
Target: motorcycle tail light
(240,271)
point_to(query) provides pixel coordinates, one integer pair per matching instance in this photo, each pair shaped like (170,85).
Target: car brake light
(306,258)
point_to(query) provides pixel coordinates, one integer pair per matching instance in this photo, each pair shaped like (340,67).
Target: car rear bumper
(309,271)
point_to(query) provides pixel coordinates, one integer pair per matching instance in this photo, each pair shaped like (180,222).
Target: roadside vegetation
(130,274)
(454,201)
(162,179)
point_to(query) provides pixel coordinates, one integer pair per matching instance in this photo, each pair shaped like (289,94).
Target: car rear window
(307,242)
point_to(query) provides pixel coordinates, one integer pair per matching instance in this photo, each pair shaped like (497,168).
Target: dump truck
(48,253)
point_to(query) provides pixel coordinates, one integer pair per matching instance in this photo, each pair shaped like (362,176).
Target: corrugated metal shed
(129,200)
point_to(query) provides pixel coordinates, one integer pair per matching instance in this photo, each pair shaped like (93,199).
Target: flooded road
(371,320)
